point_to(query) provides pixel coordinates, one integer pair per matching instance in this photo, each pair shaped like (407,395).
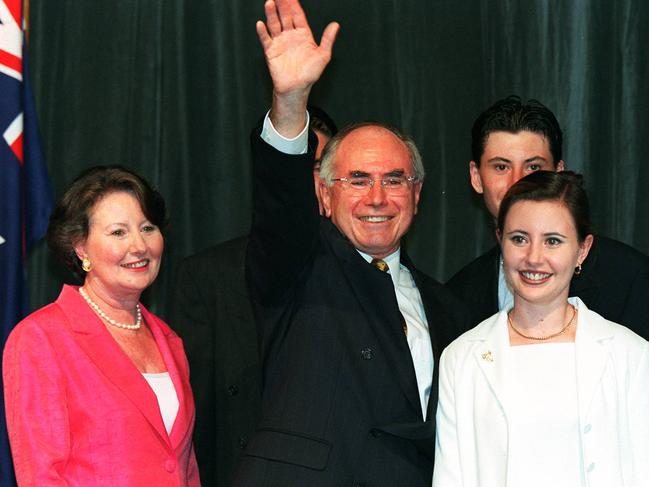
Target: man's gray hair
(327,161)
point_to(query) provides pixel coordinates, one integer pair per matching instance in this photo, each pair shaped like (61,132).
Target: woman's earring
(578,270)
(85,264)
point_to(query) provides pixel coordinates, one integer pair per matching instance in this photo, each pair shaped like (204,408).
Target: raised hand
(294,60)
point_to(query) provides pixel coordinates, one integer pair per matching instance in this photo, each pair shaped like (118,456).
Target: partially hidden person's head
(371,179)
(509,140)
(108,227)
(545,233)
(323,126)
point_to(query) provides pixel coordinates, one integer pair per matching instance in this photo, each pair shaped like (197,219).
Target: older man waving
(349,330)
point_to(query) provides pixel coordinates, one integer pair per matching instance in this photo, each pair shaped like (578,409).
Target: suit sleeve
(447,472)
(36,411)
(636,311)
(285,220)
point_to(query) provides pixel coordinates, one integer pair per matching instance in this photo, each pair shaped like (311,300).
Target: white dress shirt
(505,296)
(297,145)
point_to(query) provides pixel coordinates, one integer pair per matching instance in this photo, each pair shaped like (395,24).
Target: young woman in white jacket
(547,392)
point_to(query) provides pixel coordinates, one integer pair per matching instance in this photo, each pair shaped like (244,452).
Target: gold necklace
(546,337)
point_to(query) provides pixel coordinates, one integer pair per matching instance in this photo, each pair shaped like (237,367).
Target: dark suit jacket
(614,283)
(340,398)
(212,313)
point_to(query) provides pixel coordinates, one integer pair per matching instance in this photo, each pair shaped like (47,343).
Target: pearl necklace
(100,312)
(546,337)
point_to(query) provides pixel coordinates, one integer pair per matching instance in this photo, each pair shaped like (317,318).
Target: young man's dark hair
(512,115)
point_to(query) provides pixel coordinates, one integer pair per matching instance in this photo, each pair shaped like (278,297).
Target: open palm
(295,61)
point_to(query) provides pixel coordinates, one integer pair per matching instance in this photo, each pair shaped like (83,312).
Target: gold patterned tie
(381,265)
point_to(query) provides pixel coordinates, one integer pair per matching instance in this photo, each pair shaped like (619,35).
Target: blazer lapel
(93,338)
(490,354)
(171,349)
(591,354)
(375,294)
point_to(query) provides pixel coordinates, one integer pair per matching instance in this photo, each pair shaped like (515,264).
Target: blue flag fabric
(25,194)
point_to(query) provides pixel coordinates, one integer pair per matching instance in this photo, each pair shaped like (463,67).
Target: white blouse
(164,390)
(543,412)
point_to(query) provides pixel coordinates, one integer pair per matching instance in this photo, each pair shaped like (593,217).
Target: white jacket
(612,365)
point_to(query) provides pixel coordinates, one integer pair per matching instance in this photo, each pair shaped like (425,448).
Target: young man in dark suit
(509,140)
(349,330)
(212,313)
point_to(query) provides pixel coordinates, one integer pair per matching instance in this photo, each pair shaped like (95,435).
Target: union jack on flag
(25,195)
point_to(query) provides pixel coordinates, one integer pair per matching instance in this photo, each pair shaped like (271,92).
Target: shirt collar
(505,296)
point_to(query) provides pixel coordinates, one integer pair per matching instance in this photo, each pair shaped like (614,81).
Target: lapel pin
(487,356)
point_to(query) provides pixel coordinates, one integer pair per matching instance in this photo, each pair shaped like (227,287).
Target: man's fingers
(285,9)
(299,19)
(329,36)
(262,33)
(272,20)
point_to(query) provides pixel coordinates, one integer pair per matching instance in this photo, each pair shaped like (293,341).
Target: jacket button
(367,354)
(233,390)
(375,433)
(170,466)
(243,442)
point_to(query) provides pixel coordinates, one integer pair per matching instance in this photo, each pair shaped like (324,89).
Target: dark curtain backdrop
(172,88)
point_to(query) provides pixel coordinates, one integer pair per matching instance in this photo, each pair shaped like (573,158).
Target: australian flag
(25,195)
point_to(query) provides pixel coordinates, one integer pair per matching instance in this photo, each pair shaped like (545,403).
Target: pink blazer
(79,413)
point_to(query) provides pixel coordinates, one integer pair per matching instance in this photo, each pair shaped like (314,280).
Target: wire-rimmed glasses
(391,184)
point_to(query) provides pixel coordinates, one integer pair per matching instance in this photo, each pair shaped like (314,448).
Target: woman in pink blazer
(97,388)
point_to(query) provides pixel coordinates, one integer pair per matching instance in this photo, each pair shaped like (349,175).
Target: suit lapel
(433,312)
(93,338)
(434,315)
(375,294)
(242,329)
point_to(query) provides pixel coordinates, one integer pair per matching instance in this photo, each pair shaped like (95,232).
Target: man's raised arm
(294,60)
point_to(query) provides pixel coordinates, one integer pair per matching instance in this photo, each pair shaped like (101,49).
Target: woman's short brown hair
(69,222)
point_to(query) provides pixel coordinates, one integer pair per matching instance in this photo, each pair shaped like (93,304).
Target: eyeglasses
(391,184)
